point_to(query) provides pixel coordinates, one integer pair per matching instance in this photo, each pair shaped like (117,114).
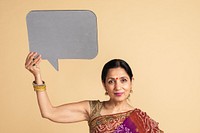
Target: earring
(131,91)
(106,93)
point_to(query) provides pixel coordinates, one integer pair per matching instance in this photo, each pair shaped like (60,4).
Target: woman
(112,116)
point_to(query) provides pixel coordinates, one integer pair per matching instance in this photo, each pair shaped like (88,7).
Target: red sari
(132,121)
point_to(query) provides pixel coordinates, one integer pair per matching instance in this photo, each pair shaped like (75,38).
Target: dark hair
(115,63)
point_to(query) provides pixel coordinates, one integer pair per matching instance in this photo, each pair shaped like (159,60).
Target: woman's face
(118,84)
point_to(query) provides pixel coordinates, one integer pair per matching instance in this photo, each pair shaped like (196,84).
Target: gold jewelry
(37,87)
(106,93)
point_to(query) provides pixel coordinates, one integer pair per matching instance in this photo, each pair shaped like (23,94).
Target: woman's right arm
(67,113)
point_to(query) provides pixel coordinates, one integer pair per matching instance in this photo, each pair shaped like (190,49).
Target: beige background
(158,38)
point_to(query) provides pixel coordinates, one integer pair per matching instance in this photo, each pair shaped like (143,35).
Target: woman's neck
(116,107)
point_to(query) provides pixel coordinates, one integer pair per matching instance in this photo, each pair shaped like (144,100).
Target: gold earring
(131,91)
(106,93)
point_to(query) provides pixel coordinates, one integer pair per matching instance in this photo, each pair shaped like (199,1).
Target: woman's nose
(117,85)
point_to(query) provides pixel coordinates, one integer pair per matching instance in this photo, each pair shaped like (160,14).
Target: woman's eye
(110,82)
(123,80)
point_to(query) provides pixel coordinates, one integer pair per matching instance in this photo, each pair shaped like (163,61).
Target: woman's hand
(32,63)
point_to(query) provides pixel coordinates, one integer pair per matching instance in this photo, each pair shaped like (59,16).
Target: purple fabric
(126,127)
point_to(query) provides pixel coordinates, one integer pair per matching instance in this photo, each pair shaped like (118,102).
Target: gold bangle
(37,87)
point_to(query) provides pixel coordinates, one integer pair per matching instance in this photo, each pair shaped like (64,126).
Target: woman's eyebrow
(110,78)
(117,77)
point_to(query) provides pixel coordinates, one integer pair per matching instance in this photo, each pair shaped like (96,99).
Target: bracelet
(37,87)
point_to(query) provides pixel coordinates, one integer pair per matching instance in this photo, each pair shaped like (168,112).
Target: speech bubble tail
(54,63)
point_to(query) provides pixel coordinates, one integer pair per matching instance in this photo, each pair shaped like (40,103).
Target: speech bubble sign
(64,34)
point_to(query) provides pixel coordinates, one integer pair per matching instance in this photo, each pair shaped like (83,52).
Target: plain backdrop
(159,39)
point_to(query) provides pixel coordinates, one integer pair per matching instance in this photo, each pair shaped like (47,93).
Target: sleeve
(95,107)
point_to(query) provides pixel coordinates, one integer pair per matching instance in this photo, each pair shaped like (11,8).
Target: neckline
(103,104)
(118,113)
(115,114)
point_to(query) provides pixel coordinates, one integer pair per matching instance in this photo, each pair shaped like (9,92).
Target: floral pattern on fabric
(132,121)
(143,122)
(104,123)
(126,127)
(108,123)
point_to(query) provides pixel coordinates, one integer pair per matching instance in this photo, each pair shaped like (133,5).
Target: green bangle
(37,87)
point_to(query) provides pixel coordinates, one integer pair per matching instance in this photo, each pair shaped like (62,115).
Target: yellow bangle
(37,87)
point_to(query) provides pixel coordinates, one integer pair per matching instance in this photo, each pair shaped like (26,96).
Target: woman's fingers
(29,58)
(32,59)
(36,60)
(32,63)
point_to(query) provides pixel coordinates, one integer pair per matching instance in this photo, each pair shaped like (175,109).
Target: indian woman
(115,115)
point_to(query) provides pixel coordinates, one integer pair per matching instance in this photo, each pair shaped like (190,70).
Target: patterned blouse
(104,123)
(132,121)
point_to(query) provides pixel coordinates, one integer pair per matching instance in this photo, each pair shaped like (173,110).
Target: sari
(132,121)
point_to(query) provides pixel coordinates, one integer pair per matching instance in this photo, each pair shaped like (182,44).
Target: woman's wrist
(38,79)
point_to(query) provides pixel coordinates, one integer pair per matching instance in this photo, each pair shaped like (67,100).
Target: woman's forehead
(119,72)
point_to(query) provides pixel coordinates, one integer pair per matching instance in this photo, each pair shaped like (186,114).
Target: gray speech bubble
(64,34)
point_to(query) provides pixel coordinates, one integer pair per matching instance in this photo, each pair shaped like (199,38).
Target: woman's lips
(118,93)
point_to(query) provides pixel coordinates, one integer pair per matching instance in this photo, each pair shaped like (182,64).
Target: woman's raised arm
(66,113)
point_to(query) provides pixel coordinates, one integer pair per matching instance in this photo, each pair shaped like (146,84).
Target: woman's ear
(132,82)
(104,85)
